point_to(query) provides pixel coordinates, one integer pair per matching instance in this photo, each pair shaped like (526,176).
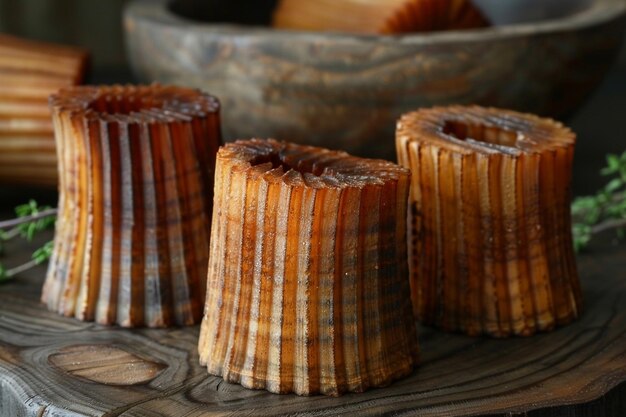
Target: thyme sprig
(31,219)
(604,211)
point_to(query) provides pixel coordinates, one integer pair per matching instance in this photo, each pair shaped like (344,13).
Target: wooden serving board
(54,366)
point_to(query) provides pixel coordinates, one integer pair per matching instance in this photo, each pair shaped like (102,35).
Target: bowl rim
(157,12)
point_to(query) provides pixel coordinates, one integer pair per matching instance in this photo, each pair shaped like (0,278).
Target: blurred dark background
(97,26)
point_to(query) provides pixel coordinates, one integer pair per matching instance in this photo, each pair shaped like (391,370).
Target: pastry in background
(378,16)
(29,72)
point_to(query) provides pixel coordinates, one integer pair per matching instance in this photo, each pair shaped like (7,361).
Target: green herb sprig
(31,220)
(606,210)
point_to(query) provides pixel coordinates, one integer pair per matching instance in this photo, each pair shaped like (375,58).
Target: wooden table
(54,366)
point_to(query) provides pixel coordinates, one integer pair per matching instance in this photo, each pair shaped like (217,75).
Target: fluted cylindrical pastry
(308,286)
(490,229)
(378,16)
(136,176)
(29,72)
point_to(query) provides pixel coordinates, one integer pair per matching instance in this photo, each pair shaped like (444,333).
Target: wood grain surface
(578,370)
(105,364)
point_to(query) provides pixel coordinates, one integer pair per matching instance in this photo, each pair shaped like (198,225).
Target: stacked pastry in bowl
(378,16)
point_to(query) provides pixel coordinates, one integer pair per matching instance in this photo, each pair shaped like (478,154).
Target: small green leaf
(587,209)
(613,164)
(582,235)
(604,210)
(3,274)
(24,210)
(613,185)
(29,229)
(44,253)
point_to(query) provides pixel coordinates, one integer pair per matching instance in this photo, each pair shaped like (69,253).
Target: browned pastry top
(134,104)
(484,130)
(309,166)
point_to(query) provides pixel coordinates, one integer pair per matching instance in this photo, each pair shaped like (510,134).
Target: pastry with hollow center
(490,241)
(308,286)
(136,178)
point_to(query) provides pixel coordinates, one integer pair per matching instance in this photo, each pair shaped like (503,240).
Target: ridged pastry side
(136,176)
(308,289)
(378,16)
(490,229)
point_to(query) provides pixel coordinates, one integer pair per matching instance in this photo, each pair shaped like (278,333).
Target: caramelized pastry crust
(136,177)
(378,16)
(308,289)
(490,230)
(29,72)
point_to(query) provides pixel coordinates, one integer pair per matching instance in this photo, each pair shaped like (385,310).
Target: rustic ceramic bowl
(344,91)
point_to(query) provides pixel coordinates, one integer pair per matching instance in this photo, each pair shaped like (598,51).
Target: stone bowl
(346,91)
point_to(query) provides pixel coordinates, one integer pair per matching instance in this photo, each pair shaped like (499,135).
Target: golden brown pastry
(136,177)
(29,72)
(378,16)
(490,230)
(308,289)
